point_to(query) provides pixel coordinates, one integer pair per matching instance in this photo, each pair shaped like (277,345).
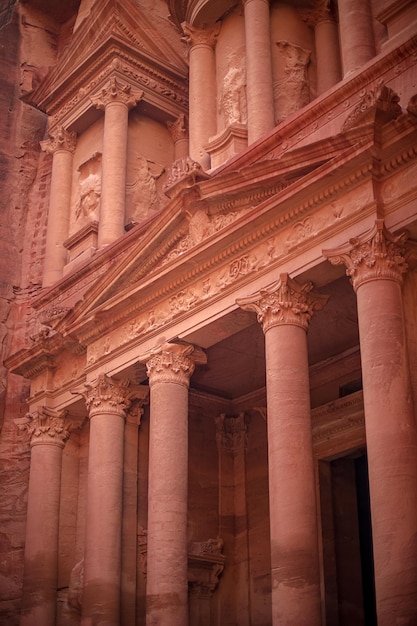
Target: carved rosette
(116,91)
(106,395)
(231,432)
(200,36)
(284,302)
(46,427)
(60,139)
(173,363)
(374,255)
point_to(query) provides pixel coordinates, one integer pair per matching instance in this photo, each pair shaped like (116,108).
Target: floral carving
(116,91)
(376,254)
(173,363)
(106,395)
(231,432)
(380,99)
(203,36)
(178,128)
(284,302)
(60,139)
(46,426)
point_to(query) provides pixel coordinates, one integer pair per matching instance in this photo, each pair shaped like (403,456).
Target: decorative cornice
(46,427)
(377,254)
(284,302)
(60,139)
(173,363)
(379,101)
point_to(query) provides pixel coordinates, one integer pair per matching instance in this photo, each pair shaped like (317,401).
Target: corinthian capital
(206,36)
(284,302)
(116,91)
(178,128)
(373,255)
(60,139)
(46,427)
(106,395)
(173,363)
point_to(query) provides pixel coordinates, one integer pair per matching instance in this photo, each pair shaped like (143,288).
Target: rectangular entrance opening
(348,568)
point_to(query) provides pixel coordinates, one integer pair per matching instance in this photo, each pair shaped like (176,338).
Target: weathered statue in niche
(142,192)
(87,204)
(291,89)
(232,101)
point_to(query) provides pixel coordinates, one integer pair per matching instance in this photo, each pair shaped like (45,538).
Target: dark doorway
(347,541)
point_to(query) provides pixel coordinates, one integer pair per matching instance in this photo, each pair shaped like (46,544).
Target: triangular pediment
(116,25)
(203,221)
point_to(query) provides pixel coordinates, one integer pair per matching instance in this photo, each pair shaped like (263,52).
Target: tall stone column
(284,310)
(202,90)
(375,264)
(259,88)
(179,134)
(329,70)
(107,400)
(169,370)
(356,34)
(61,145)
(48,430)
(115,98)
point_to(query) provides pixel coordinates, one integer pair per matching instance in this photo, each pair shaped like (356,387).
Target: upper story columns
(49,431)
(202,89)
(116,98)
(356,34)
(375,262)
(326,34)
(284,310)
(259,89)
(61,145)
(169,370)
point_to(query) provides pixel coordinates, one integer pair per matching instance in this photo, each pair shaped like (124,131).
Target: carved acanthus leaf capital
(178,128)
(284,302)
(116,91)
(173,363)
(106,395)
(60,139)
(46,426)
(377,254)
(200,36)
(231,432)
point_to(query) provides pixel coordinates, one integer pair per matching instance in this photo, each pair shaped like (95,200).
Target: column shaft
(293,521)
(48,432)
(356,34)
(259,89)
(328,54)
(61,145)
(392,450)
(202,90)
(113,193)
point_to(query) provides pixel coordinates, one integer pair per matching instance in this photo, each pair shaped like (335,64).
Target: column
(259,89)
(61,145)
(356,34)
(169,369)
(179,134)
(284,310)
(115,98)
(202,89)
(326,33)
(375,263)
(107,400)
(48,430)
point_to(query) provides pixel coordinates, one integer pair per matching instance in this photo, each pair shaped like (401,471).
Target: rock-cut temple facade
(208,296)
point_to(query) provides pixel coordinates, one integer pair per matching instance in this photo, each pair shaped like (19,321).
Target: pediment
(203,221)
(109,26)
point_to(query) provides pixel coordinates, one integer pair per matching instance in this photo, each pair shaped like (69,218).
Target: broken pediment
(109,31)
